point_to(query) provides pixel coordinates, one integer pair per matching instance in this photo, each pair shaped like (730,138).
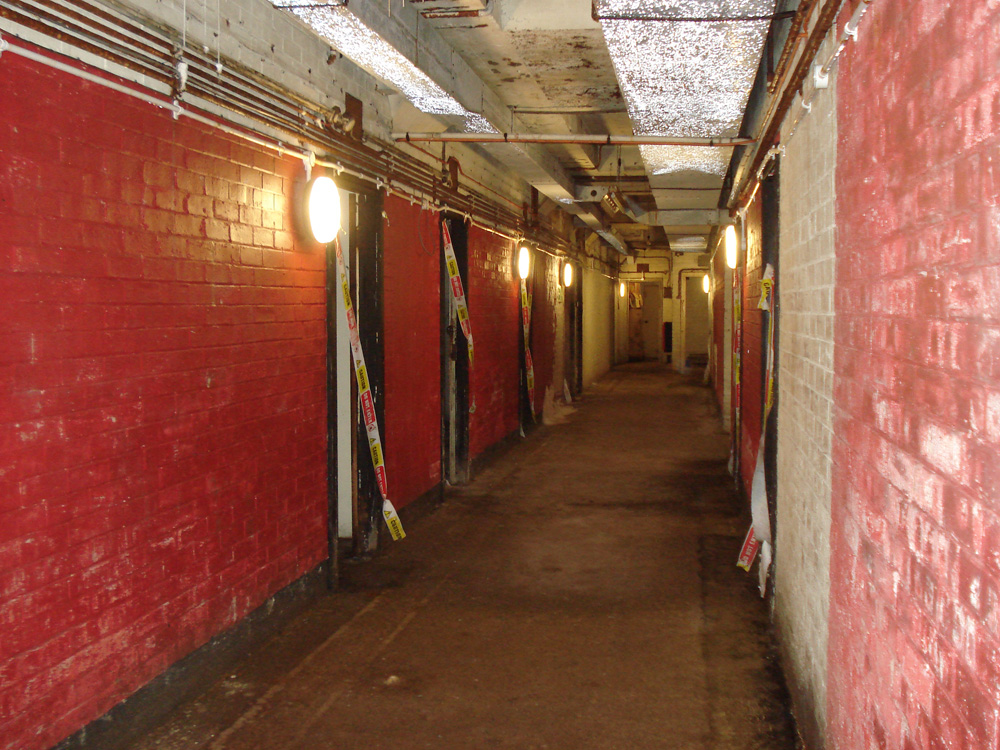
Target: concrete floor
(581,593)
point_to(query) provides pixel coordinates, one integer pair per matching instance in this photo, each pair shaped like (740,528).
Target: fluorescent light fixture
(323,203)
(695,243)
(365,48)
(568,275)
(731,246)
(685,78)
(706,284)
(523,262)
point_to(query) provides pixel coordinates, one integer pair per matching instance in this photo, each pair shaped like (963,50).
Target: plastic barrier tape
(367,403)
(749,551)
(529,367)
(457,290)
(761,528)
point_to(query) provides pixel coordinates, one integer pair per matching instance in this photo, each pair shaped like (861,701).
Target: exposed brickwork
(805,407)
(753,342)
(412,315)
(915,561)
(162,395)
(494,309)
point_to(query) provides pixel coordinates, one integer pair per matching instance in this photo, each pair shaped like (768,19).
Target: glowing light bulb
(523,262)
(621,289)
(324,209)
(705,283)
(568,275)
(731,246)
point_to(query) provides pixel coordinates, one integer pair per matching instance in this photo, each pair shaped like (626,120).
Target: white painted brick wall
(805,400)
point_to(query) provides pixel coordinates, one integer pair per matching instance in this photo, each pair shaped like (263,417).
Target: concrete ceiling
(549,62)
(536,66)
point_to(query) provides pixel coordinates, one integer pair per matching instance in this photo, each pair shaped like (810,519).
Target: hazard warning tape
(749,551)
(529,367)
(759,537)
(367,403)
(767,304)
(457,290)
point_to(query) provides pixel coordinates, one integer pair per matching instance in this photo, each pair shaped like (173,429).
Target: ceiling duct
(673,217)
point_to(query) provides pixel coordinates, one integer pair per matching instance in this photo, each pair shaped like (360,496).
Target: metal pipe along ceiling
(594,140)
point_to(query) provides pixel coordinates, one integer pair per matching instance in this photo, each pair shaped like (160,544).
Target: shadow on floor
(581,593)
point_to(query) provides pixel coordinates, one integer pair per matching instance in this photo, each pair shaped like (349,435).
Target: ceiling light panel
(365,48)
(685,78)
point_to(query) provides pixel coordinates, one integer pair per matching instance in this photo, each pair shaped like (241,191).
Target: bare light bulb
(621,289)
(705,283)
(731,247)
(324,209)
(523,262)
(568,275)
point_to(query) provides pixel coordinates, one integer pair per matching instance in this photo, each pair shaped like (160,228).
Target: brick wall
(805,403)
(751,391)
(494,309)
(412,311)
(915,560)
(162,408)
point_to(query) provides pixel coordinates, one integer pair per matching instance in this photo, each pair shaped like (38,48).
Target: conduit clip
(182,76)
(308,162)
(821,77)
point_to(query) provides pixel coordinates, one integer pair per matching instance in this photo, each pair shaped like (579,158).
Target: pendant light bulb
(731,246)
(568,275)
(324,209)
(523,262)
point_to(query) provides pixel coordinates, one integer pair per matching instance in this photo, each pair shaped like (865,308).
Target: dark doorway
(574,337)
(366,248)
(454,362)
(769,246)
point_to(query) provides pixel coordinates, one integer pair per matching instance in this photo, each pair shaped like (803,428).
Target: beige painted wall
(598,326)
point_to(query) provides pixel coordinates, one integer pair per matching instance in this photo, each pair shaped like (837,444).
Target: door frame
(455,380)
(353,500)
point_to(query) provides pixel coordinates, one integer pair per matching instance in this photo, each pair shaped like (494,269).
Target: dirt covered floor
(582,592)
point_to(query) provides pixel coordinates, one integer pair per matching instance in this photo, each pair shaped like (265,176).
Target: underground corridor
(499,373)
(576,594)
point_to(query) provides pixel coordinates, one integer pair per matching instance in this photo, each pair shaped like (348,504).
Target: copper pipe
(791,43)
(827,17)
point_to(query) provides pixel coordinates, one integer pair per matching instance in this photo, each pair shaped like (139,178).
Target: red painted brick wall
(914,648)
(753,342)
(412,350)
(162,407)
(495,313)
